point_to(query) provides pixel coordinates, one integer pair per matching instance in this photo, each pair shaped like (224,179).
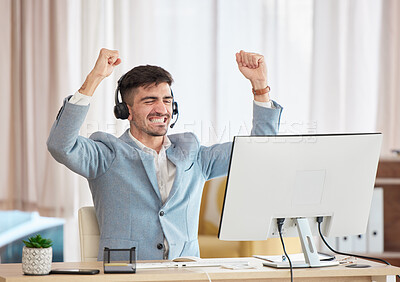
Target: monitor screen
(299,176)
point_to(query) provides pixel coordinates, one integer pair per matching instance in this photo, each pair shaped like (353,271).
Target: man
(147,186)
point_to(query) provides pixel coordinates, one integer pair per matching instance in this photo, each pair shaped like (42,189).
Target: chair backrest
(212,200)
(89,233)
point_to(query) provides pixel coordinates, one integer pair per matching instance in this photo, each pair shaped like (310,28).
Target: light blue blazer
(123,182)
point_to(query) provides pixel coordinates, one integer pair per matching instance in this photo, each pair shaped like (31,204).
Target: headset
(121,110)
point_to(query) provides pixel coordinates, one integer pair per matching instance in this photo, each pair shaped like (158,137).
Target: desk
(378,272)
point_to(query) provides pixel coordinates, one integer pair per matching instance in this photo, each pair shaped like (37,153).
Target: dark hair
(143,76)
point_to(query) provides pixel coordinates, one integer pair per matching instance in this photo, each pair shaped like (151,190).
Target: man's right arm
(84,156)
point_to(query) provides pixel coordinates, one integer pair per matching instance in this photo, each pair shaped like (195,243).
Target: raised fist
(106,62)
(253,67)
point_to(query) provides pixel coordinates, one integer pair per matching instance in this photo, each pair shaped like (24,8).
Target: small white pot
(36,261)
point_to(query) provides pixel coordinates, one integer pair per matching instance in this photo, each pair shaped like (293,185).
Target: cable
(319,220)
(208,276)
(280,222)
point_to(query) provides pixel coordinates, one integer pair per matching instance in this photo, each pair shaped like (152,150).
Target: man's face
(151,110)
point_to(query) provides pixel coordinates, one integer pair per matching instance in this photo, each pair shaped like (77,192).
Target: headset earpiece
(121,110)
(174,109)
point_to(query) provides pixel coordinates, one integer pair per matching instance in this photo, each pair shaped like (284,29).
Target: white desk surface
(377,272)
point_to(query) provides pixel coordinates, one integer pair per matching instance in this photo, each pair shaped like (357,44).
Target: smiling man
(146,92)
(147,186)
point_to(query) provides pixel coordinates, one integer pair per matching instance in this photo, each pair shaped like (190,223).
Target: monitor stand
(309,250)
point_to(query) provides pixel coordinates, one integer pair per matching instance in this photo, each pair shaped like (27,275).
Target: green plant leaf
(38,242)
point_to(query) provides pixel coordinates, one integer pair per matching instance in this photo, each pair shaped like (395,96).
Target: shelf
(388,177)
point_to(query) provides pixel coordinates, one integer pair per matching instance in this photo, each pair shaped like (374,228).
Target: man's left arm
(266,115)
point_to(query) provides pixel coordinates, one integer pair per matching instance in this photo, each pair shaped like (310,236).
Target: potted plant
(37,256)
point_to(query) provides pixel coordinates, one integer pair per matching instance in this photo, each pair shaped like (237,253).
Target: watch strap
(261,91)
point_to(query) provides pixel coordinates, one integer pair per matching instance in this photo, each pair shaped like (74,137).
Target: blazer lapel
(147,160)
(181,162)
(148,164)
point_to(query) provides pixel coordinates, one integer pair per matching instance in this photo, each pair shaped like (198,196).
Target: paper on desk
(293,257)
(210,262)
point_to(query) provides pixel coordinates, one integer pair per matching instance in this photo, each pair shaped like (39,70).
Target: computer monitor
(299,178)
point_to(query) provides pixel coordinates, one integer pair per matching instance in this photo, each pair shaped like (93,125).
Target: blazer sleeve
(214,160)
(82,155)
(266,121)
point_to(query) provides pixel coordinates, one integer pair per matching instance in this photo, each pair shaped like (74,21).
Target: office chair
(212,247)
(89,233)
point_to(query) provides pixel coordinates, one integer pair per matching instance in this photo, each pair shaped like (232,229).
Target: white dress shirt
(165,169)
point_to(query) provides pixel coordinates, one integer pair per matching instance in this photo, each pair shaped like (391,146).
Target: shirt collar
(165,146)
